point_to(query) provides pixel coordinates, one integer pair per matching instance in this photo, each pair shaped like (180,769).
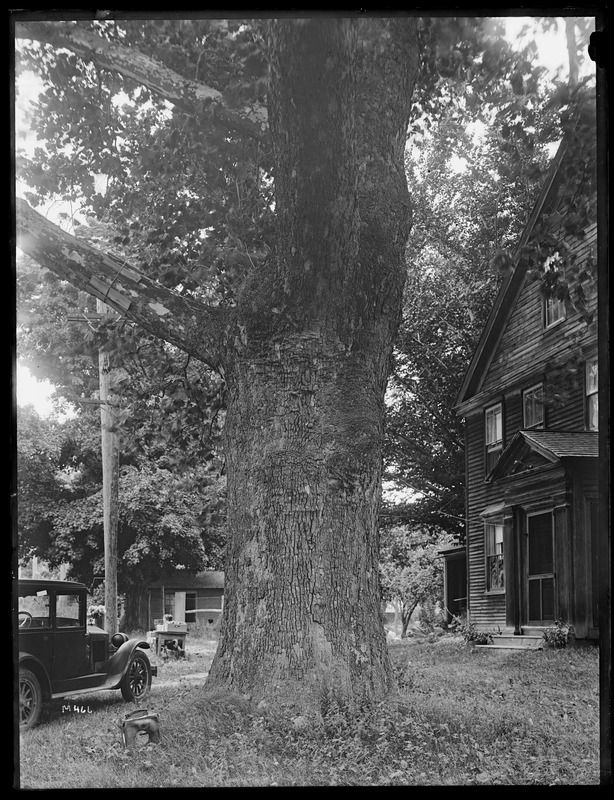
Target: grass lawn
(462,717)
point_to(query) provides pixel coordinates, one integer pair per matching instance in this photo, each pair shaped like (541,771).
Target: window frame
(550,304)
(492,555)
(592,395)
(532,390)
(494,448)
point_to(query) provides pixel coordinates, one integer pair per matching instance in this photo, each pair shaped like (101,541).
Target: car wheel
(30,699)
(137,680)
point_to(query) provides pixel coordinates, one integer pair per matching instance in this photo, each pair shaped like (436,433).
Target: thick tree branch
(186,323)
(189,95)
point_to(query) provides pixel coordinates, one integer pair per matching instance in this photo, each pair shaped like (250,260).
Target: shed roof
(181,580)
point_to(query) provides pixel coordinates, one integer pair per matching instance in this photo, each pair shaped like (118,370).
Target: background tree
(165,519)
(411,569)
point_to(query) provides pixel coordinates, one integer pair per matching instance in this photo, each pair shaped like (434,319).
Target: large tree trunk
(303,432)
(307,373)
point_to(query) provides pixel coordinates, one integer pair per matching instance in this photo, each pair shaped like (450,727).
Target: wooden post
(110,486)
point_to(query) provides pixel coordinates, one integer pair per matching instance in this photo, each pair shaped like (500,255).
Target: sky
(38,393)
(552,54)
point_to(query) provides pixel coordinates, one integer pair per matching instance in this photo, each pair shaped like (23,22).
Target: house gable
(508,294)
(531,450)
(518,457)
(516,348)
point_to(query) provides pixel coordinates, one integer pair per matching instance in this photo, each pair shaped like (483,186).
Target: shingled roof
(564,444)
(549,445)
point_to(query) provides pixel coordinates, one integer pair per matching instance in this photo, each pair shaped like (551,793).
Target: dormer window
(533,407)
(493,418)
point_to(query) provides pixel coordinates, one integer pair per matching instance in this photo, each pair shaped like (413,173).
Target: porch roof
(564,444)
(549,445)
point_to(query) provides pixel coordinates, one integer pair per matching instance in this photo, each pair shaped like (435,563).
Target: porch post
(511,569)
(517,522)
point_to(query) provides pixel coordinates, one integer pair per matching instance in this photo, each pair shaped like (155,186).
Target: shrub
(559,635)
(429,616)
(472,635)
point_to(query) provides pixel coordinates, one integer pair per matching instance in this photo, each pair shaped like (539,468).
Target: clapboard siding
(485,609)
(526,347)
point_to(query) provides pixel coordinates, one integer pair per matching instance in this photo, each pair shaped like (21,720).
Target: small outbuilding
(194,599)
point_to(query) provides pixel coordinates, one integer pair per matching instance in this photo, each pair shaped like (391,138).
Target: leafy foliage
(410,572)
(189,203)
(165,519)
(559,635)
(474,172)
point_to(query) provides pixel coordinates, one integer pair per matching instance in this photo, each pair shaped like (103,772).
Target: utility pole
(110,473)
(110,484)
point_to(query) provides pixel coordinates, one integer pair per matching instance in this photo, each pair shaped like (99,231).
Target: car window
(34,610)
(68,612)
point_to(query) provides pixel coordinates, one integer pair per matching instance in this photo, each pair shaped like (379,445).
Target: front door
(540,564)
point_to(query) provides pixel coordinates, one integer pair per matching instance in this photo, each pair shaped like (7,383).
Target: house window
(169,604)
(494,435)
(533,407)
(554,311)
(592,398)
(554,301)
(495,580)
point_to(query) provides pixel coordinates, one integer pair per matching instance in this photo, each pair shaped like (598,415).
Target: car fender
(33,663)
(117,665)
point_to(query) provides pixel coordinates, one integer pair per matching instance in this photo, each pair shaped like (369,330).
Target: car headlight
(118,639)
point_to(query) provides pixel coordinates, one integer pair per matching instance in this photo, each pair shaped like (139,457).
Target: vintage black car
(61,655)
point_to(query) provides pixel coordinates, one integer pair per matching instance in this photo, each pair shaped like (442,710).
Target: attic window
(554,291)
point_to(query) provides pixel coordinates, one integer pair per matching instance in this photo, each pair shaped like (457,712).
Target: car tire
(30,699)
(136,683)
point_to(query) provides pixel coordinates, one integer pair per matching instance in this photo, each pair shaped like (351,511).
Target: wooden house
(196,599)
(529,400)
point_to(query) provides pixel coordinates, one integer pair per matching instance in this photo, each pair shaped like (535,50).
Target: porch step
(511,642)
